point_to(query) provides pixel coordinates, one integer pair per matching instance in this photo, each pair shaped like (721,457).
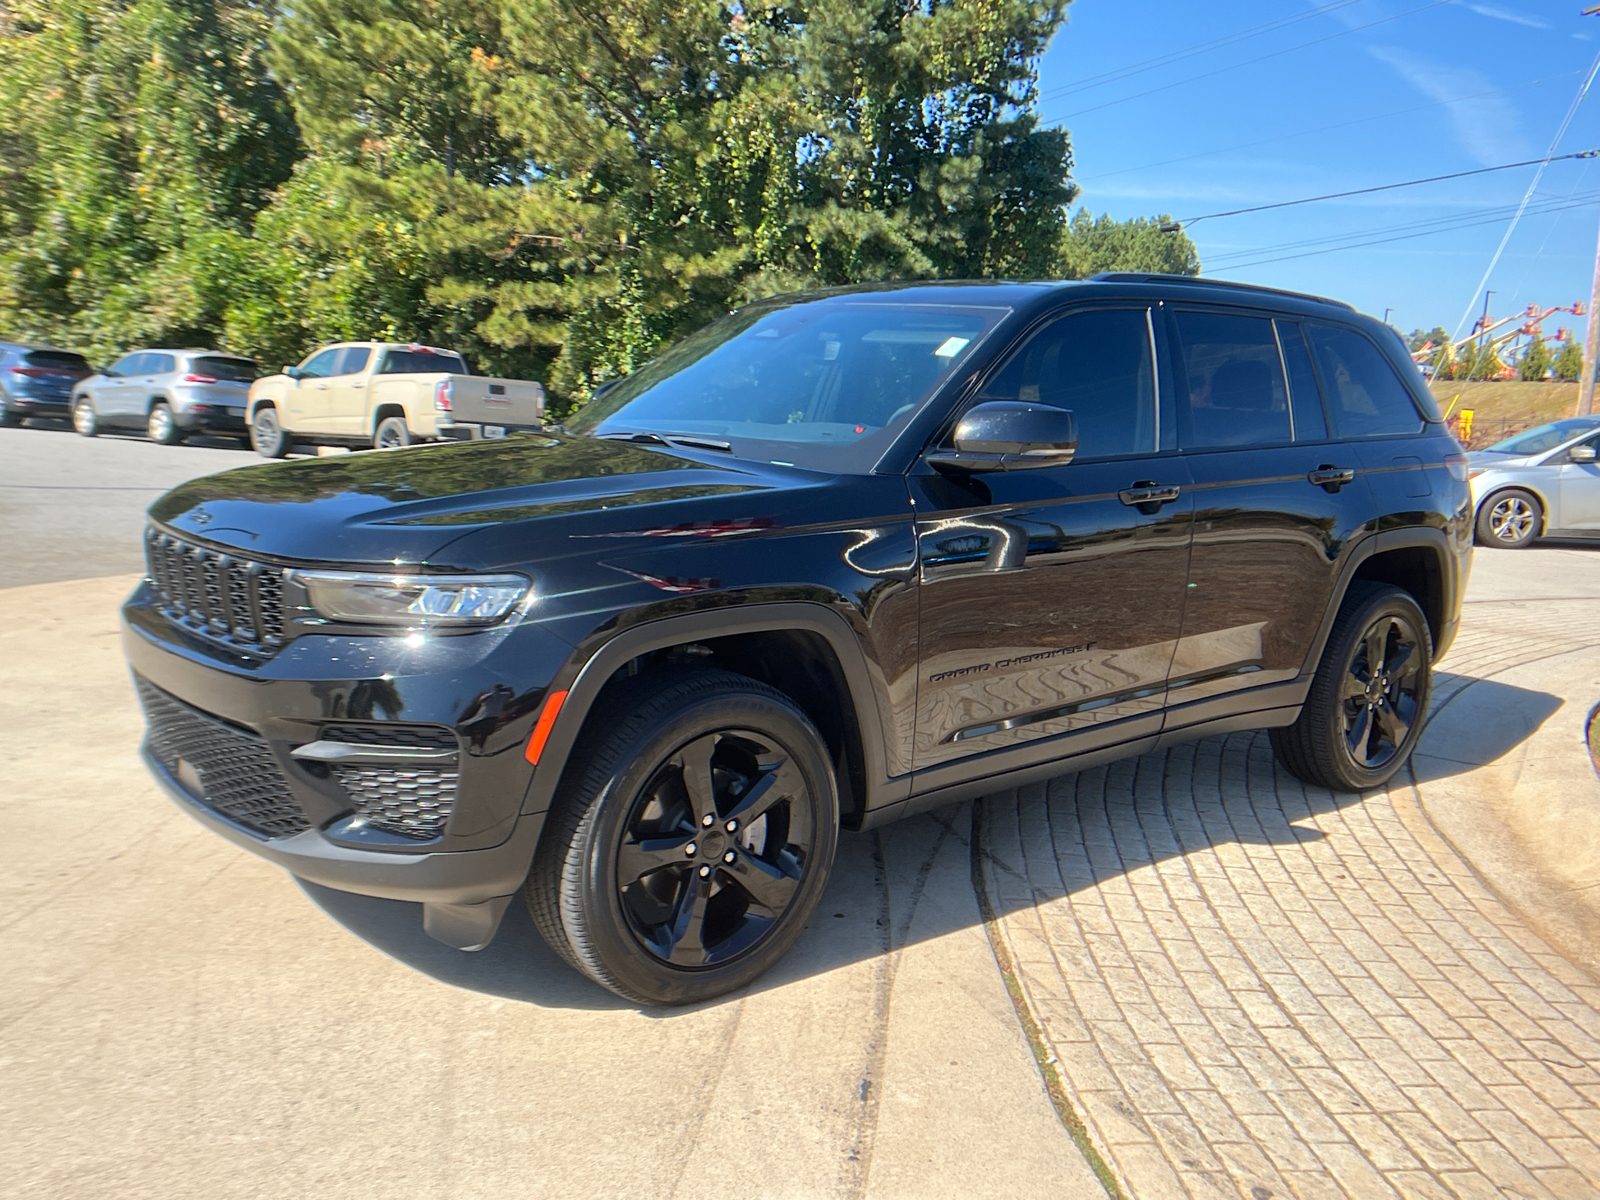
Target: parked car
(170,394)
(36,381)
(1542,481)
(831,561)
(386,395)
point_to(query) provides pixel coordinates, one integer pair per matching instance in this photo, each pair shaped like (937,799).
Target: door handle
(1148,496)
(1331,478)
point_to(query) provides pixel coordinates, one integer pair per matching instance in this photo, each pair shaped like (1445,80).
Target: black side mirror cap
(1009,435)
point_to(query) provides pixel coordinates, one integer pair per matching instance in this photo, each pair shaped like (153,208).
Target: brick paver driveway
(1252,987)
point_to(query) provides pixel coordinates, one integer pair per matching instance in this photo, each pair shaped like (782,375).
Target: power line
(1399,112)
(1247,62)
(1461,220)
(1403,237)
(1389,187)
(1572,111)
(1163,60)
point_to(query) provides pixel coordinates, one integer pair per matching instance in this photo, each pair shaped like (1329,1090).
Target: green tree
(1090,245)
(1569,363)
(139,140)
(1535,361)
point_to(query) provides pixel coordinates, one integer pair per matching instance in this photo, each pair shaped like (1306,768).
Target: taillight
(441,394)
(1457,463)
(199,379)
(34,372)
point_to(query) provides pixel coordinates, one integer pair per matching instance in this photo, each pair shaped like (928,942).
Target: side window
(321,364)
(128,364)
(1235,393)
(354,360)
(1365,396)
(1099,365)
(1305,402)
(160,364)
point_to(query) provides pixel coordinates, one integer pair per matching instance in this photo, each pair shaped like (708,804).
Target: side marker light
(546,722)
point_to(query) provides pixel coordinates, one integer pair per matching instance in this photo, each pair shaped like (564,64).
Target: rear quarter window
(1364,393)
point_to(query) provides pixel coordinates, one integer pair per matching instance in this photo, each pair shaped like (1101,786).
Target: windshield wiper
(685,439)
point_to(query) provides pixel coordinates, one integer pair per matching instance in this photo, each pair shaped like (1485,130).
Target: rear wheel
(688,853)
(269,438)
(392,434)
(162,426)
(1510,519)
(10,418)
(84,419)
(1365,710)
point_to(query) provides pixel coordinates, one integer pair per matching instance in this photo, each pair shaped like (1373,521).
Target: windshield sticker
(951,347)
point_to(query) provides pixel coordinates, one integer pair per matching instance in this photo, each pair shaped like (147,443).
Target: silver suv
(171,393)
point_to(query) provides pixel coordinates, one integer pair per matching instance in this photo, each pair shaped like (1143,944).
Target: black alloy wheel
(687,857)
(1511,519)
(1366,706)
(269,438)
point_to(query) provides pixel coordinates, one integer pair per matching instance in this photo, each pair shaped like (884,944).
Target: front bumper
(310,691)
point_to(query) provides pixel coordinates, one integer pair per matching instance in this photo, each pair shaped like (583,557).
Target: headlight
(412,601)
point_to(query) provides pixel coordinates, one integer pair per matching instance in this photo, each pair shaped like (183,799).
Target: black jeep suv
(833,560)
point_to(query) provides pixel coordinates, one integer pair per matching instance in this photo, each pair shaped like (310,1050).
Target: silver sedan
(1543,482)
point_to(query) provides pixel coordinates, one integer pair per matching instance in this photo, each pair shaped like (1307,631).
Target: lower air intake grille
(239,777)
(413,802)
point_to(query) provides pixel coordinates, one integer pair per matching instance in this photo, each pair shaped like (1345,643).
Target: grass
(1501,409)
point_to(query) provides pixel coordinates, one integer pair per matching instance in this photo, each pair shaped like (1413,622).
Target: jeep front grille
(220,595)
(235,771)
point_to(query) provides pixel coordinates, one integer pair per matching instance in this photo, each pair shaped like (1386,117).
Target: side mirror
(294,373)
(110,374)
(1010,435)
(606,387)
(1581,454)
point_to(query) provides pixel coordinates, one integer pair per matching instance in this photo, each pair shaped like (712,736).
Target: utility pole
(1592,341)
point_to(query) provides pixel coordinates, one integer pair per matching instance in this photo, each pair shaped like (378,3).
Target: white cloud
(1495,12)
(1485,125)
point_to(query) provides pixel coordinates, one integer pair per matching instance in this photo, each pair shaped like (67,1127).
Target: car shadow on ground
(913,881)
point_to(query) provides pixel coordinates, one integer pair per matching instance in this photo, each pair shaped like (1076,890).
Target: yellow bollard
(1464,426)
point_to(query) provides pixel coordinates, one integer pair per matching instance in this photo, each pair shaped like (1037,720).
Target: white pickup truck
(385,395)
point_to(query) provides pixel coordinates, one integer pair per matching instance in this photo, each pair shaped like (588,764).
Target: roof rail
(1196,281)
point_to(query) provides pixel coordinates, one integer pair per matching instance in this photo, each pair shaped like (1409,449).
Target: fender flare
(593,675)
(1436,540)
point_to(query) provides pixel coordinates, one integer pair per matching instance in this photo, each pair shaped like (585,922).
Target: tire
(270,439)
(709,907)
(1511,519)
(84,418)
(10,418)
(392,434)
(161,426)
(1358,726)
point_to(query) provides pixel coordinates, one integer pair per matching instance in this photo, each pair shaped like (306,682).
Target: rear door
(1276,503)
(1052,598)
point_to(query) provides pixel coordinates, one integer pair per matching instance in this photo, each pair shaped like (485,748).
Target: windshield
(1545,437)
(820,384)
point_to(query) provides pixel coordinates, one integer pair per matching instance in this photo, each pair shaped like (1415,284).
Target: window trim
(1299,324)
(1180,372)
(1025,338)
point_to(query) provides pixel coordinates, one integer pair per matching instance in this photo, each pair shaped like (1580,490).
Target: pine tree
(1569,363)
(1534,364)
(1090,245)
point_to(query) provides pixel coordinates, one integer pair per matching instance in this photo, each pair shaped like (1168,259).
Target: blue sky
(1344,94)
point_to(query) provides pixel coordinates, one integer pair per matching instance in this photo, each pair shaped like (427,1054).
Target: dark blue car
(37,382)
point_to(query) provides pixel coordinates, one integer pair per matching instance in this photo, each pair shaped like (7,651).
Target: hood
(405,506)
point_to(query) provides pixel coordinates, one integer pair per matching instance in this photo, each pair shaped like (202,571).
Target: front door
(308,399)
(1052,598)
(1276,504)
(1580,491)
(345,400)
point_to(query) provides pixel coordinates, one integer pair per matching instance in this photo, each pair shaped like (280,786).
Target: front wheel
(270,439)
(1365,710)
(1510,519)
(84,419)
(691,841)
